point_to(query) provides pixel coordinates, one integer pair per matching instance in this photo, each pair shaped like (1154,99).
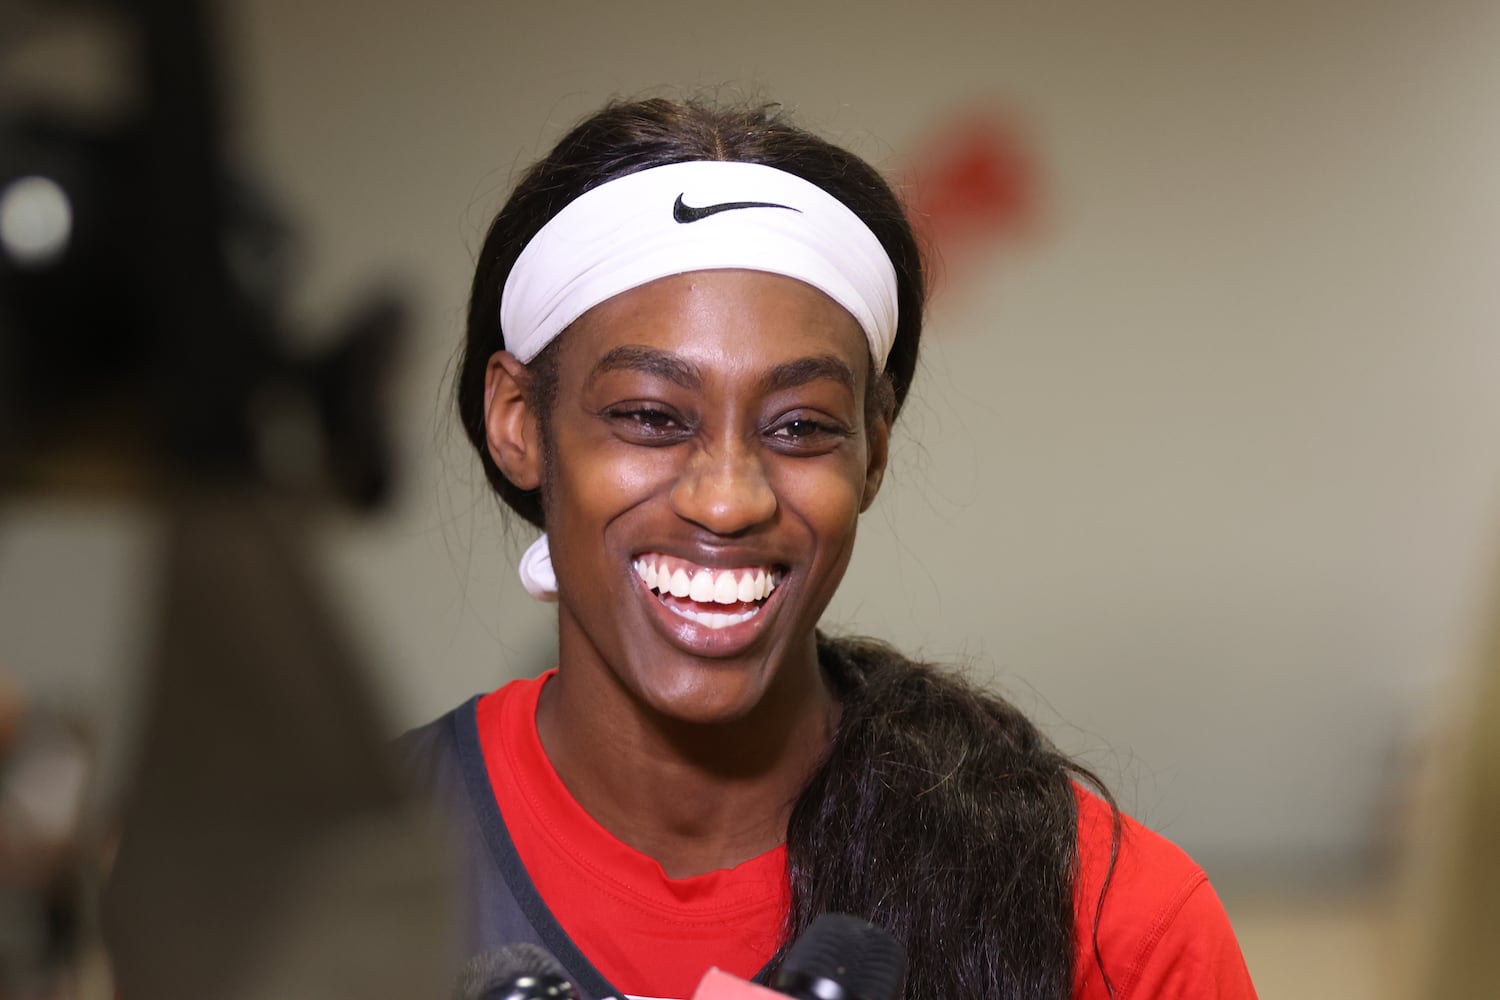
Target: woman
(690,333)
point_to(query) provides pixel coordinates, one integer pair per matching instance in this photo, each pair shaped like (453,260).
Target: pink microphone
(717,984)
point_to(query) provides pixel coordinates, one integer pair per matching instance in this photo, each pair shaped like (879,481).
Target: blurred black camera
(141,292)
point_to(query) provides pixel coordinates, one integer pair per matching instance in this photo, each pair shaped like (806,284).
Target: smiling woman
(691,331)
(711,425)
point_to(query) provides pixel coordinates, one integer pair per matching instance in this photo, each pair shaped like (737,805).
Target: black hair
(939,812)
(944,815)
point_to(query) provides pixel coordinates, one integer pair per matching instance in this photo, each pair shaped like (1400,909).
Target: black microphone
(840,957)
(518,971)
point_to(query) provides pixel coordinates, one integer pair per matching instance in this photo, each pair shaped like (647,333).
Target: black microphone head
(520,971)
(840,957)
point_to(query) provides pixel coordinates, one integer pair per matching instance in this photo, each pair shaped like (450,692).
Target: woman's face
(710,456)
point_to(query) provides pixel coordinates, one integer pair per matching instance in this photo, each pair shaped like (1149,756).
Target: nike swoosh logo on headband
(690,213)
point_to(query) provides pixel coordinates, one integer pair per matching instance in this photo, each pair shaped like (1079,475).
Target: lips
(714,597)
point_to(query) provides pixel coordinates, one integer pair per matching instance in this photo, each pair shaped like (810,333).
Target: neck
(695,796)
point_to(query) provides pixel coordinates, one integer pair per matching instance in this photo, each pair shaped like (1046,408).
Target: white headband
(698,216)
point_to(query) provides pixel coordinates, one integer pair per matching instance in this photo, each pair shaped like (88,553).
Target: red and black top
(1162,935)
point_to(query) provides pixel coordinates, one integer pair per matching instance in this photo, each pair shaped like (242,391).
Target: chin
(711,693)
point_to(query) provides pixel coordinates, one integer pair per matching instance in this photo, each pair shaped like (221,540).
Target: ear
(878,438)
(510,421)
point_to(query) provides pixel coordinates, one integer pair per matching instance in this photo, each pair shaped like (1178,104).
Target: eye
(647,424)
(800,429)
(804,433)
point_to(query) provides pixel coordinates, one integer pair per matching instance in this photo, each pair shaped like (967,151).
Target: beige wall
(1204,471)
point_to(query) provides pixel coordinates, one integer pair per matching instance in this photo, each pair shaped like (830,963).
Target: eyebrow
(648,361)
(791,374)
(663,365)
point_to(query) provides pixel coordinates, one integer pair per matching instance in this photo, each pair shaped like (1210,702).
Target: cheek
(825,496)
(605,479)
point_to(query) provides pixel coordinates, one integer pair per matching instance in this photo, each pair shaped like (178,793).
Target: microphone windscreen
(717,984)
(520,971)
(840,957)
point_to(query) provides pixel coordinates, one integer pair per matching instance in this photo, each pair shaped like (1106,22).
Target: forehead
(723,320)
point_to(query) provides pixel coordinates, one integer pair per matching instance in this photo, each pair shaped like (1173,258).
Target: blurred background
(1202,464)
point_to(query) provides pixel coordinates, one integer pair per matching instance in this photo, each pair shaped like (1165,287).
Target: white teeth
(703,588)
(706,586)
(715,619)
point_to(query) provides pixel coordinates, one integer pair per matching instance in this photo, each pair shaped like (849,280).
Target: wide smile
(715,598)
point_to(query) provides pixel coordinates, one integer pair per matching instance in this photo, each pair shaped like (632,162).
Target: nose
(724,490)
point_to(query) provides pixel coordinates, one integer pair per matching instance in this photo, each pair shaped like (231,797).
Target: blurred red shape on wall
(971,186)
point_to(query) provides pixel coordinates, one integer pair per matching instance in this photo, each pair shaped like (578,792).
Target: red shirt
(1163,933)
